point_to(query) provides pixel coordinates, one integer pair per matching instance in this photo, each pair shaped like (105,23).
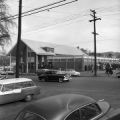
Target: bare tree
(5,24)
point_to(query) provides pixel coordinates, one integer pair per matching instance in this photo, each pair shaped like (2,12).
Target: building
(35,55)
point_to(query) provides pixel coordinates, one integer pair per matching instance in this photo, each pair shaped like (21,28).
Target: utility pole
(94,33)
(19,39)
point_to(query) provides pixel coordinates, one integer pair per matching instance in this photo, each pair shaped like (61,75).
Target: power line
(32,10)
(38,10)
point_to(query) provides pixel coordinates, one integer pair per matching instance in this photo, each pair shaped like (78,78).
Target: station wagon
(17,89)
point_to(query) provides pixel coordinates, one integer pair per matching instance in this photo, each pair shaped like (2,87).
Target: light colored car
(10,72)
(17,89)
(69,107)
(2,72)
(72,72)
(118,74)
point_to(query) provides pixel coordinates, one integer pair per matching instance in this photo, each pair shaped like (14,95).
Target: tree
(85,51)
(110,55)
(5,24)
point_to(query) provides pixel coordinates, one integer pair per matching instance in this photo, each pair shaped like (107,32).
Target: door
(9,94)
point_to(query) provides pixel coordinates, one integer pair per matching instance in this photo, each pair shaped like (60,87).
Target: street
(100,87)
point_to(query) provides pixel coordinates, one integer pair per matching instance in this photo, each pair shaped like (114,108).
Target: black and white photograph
(59,59)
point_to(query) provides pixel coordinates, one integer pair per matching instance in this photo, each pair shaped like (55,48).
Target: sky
(69,24)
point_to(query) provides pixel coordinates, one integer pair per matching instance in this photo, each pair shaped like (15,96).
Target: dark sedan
(53,75)
(69,107)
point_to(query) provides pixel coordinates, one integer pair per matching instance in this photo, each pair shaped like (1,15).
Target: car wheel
(60,80)
(28,98)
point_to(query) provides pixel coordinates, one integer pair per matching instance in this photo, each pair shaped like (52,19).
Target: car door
(9,94)
(29,88)
(54,76)
(50,76)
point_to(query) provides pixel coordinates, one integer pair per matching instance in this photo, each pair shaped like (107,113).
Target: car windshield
(7,87)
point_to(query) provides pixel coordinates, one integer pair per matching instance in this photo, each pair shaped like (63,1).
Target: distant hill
(107,54)
(111,54)
(103,54)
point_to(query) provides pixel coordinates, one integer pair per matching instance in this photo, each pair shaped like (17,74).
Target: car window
(28,84)
(0,87)
(18,85)
(74,116)
(90,111)
(7,87)
(29,116)
(24,84)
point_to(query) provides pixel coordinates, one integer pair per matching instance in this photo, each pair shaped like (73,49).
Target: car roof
(58,106)
(14,80)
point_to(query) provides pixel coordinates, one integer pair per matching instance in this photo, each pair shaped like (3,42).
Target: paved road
(101,87)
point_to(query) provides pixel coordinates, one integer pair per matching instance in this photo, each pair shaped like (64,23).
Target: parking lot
(100,87)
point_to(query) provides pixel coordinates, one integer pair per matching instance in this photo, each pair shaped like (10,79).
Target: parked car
(69,107)
(2,77)
(118,74)
(53,75)
(72,72)
(10,72)
(2,72)
(17,89)
(41,71)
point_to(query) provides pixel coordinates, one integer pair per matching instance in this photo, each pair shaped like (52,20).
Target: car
(41,71)
(72,72)
(68,107)
(15,89)
(118,74)
(2,72)
(53,75)
(10,72)
(2,77)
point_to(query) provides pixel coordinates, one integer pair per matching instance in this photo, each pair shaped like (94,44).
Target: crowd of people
(108,69)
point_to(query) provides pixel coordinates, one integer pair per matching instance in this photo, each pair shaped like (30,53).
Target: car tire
(60,80)
(28,98)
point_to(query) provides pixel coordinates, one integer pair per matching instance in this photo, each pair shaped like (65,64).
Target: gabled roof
(37,47)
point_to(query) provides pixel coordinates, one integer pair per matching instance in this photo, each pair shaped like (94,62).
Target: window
(23,84)
(28,84)
(90,111)
(48,49)
(0,87)
(7,87)
(74,116)
(29,116)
